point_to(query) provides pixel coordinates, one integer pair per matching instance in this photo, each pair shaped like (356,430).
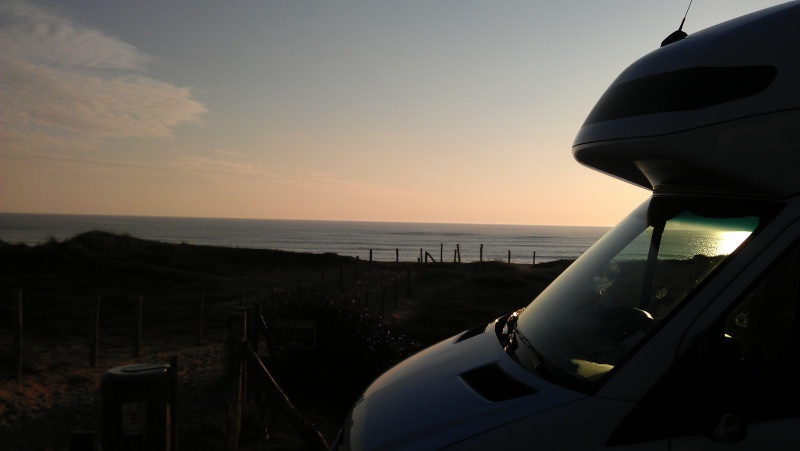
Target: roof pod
(719,109)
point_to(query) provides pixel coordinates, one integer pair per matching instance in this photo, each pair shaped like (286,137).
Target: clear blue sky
(425,111)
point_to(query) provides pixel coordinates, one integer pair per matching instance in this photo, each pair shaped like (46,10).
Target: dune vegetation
(369,316)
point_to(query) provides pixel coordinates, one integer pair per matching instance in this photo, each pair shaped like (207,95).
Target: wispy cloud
(64,83)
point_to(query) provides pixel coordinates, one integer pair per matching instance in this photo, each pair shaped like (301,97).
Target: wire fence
(39,330)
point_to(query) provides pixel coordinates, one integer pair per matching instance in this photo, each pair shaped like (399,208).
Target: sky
(412,111)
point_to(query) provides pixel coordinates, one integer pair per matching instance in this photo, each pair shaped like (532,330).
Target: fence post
(200,319)
(96,342)
(458,251)
(481,258)
(254,317)
(509,255)
(137,346)
(397,255)
(18,338)
(234,377)
(441,252)
(383,300)
(534,257)
(173,381)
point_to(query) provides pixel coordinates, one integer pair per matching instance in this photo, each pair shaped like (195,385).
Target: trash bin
(139,406)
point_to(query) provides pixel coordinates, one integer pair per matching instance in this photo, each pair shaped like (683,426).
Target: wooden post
(441,252)
(455,255)
(534,257)
(420,254)
(18,338)
(458,251)
(173,381)
(370,256)
(137,346)
(383,300)
(397,255)
(509,255)
(481,252)
(234,377)
(261,325)
(200,315)
(96,341)
(254,315)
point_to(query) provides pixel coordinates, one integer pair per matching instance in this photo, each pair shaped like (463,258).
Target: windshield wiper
(513,337)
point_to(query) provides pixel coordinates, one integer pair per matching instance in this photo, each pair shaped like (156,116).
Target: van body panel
(718,110)
(758,39)
(584,424)
(723,157)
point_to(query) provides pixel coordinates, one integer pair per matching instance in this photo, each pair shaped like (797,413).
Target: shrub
(352,348)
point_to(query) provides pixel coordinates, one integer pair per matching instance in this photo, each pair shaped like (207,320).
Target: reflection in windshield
(726,242)
(603,307)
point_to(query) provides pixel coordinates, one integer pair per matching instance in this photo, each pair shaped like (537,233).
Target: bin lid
(139,371)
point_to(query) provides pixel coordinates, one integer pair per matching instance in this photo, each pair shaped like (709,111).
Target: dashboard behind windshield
(599,311)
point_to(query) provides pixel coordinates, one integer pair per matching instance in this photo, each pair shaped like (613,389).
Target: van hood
(456,389)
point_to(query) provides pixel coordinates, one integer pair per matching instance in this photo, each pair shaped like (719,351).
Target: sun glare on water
(727,242)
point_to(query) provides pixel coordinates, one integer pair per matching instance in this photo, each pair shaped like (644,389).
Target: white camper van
(680,329)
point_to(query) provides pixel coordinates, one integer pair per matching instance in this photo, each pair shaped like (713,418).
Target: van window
(746,365)
(610,300)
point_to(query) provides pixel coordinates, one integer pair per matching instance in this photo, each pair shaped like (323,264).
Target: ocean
(355,239)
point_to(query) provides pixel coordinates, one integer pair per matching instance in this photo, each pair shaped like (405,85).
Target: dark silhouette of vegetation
(354,344)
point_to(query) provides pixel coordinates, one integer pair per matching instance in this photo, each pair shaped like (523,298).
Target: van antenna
(679,33)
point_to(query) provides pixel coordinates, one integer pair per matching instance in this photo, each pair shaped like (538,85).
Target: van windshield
(603,307)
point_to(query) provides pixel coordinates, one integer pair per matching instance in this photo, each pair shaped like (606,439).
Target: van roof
(719,109)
